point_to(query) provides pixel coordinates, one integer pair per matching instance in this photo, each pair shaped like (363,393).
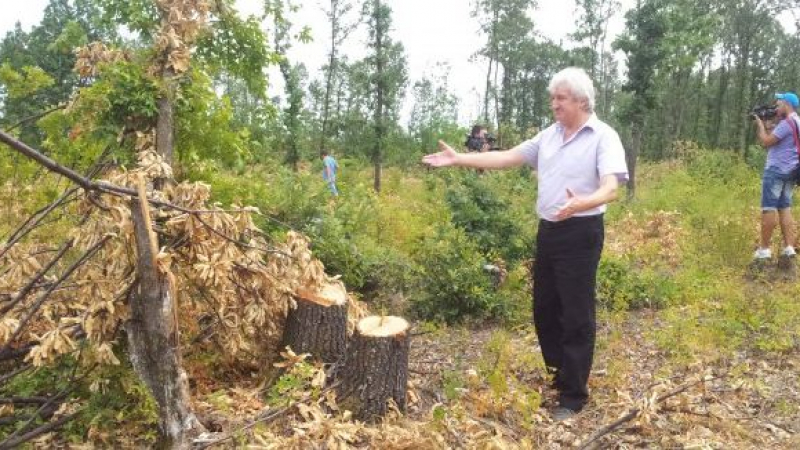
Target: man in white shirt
(580,163)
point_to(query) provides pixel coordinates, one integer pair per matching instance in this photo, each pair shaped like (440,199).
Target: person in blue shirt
(778,180)
(329,169)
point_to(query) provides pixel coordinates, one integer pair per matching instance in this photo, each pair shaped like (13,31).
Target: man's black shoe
(562,413)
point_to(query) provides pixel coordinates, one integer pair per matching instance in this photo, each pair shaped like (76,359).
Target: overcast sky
(431,31)
(435,31)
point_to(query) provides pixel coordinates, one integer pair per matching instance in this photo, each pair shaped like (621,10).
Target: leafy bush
(478,207)
(485,217)
(365,265)
(622,287)
(452,283)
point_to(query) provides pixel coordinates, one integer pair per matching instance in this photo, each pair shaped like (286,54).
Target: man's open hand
(574,205)
(445,157)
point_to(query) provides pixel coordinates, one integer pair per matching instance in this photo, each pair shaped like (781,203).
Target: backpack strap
(795,132)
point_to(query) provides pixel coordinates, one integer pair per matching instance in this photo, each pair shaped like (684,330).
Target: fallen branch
(23,400)
(42,298)
(49,404)
(202,444)
(265,419)
(46,428)
(108,188)
(34,221)
(499,428)
(34,117)
(14,373)
(32,283)
(589,443)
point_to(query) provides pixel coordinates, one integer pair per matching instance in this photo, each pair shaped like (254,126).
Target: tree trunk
(153,339)
(630,158)
(326,102)
(719,104)
(486,94)
(165,127)
(743,123)
(318,325)
(492,59)
(507,107)
(376,368)
(377,153)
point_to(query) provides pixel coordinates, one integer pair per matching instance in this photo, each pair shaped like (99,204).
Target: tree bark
(318,325)
(329,77)
(630,158)
(380,88)
(153,338)
(165,126)
(375,370)
(486,92)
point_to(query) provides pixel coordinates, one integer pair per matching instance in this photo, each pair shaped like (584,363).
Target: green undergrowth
(115,407)
(419,248)
(709,308)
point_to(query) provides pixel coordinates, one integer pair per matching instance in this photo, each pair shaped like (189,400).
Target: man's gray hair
(577,81)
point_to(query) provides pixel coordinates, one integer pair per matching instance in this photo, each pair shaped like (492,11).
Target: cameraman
(478,141)
(778,180)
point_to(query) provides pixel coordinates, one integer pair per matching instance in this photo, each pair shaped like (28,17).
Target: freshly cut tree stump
(319,323)
(375,368)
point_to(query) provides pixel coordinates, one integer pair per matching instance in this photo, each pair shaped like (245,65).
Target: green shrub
(622,287)
(452,283)
(485,216)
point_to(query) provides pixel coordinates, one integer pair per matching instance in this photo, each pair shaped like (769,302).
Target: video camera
(765,112)
(492,141)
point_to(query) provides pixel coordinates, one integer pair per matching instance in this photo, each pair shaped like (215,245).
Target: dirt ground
(746,401)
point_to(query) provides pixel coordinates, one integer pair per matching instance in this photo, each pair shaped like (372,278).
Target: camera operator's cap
(788,97)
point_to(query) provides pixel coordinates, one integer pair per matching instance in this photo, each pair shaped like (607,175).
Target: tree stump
(319,323)
(375,368)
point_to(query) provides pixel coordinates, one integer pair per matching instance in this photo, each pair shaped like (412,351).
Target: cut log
(318,325)
(375,370)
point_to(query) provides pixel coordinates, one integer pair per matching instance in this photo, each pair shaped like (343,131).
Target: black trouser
(564,278)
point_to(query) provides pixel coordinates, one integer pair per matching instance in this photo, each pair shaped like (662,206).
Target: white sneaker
(763,253)
(789,251)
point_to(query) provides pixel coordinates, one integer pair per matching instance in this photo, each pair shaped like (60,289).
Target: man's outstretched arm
(490,160)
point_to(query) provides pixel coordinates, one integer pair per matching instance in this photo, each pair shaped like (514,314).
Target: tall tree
(592,28)
(388,79)
(340,28)
(507,25)
(282,28)
(435,110)
(641,43)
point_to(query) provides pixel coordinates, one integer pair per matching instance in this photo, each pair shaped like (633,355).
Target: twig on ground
(262,419)
(46,428)
(590,442)
(14,373)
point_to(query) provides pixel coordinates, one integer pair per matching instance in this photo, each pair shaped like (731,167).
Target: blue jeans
(776,190)
(332,188)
